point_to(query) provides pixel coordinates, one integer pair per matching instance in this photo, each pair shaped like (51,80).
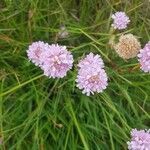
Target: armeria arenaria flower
(144,58)
(140,140)
(35,50)
(128,46)
(120,20)
(56,61)
(91,76)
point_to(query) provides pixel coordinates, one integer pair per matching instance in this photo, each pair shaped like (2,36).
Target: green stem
(78,127)
(20,85)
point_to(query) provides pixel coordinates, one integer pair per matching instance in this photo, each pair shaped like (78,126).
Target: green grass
(37,113)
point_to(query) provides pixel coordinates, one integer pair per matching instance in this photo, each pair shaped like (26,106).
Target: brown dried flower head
(128,46)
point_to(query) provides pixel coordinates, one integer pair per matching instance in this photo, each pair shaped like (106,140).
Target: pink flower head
(91,75)
(56,61)
(120,20)
(144,58)
(35,51)
(140,140)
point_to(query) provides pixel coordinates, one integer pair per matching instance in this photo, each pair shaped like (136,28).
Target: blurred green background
(38,113)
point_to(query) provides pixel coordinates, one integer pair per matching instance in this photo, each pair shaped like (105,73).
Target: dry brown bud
(128,46)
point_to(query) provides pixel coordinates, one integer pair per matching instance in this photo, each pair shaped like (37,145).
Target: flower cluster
(56,61)
(128,46)
(91,75)
(144,58)
(140,140)
(35,51)
(53,59)
(120,20)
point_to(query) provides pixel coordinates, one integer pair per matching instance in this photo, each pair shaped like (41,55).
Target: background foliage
(37,113)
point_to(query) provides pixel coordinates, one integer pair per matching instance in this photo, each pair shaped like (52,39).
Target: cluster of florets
(53,59)
(140,140)
(56,61)
(144,58)
(128,46)
(91,75)
(120,20)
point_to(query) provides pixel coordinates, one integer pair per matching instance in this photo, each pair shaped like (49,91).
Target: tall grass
(37,113)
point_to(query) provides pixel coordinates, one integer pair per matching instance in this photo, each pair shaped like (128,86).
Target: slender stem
(20,85)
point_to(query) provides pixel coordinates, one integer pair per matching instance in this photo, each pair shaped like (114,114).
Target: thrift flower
(56,61)
(128,46)
(140,140)
(35,51)
(91,76)
(144,58)
(120,20)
